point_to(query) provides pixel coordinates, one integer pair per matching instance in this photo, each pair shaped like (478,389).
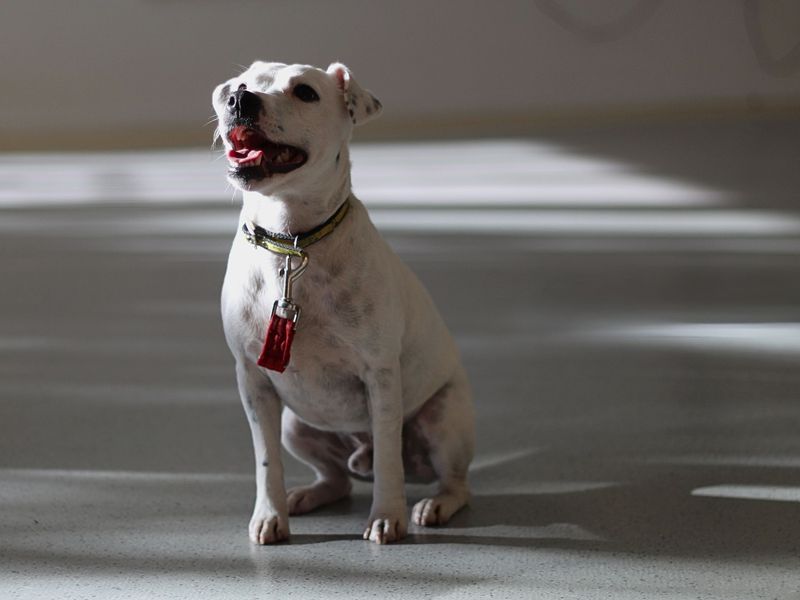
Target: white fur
(370,349)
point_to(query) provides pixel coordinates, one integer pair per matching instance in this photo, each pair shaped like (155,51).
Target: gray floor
(628,305)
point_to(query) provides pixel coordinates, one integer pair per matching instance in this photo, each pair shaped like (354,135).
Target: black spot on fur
(256,283)
(247,312)
(333,341)
(319,279)
(344,299)
(347,309)
(336,269)
(246,174)
(265,463)
(355,283)
(251,411)
(384,377)
(243,122)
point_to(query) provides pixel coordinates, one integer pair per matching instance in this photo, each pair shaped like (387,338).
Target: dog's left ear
(361,105)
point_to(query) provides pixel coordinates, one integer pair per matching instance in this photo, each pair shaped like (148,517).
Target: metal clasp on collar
(285,307)
(290,274)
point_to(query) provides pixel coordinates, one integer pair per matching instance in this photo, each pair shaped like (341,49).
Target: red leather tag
(278,344)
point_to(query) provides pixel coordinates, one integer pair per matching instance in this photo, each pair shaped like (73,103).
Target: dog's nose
(243,104)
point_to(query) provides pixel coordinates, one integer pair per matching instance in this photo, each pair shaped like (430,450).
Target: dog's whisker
(216,139)
(230,187)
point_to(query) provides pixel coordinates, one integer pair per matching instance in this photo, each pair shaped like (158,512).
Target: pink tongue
(245,156)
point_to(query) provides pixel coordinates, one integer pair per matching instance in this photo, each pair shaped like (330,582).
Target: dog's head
(283,125)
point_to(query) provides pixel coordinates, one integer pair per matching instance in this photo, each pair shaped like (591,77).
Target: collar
(288,245)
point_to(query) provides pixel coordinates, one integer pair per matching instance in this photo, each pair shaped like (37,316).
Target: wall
(132,72)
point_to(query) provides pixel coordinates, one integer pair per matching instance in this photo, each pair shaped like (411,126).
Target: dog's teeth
(284,155)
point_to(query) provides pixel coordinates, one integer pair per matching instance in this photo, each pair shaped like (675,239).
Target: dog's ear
(361,105)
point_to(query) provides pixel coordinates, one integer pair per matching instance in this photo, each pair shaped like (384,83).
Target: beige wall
(125,72)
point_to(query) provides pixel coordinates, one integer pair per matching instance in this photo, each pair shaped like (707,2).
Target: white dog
(371,385)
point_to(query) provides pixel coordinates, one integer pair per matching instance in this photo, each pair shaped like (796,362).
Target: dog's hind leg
(323,451)
(446,424)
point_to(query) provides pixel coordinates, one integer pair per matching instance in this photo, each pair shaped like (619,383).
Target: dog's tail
(360,462)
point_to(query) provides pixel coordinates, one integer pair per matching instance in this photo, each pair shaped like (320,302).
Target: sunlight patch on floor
(586,222)
(494,173)
(734,460)
(772,338)
(778,493)
(121,476)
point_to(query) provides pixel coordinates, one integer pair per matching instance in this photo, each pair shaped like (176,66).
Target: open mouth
(254,155)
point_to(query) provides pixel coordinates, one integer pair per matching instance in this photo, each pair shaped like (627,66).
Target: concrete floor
(628,305)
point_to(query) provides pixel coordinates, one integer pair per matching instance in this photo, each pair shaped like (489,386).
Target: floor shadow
(655,517)
(652,513)
(752,161)
(601,413)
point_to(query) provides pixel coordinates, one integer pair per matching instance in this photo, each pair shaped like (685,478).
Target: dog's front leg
(388,519)
(270,520)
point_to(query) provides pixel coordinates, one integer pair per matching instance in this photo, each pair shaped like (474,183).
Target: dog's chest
(323,382)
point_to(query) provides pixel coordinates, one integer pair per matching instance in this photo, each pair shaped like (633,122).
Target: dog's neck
(295,212)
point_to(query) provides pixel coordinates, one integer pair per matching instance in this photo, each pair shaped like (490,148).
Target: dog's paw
(430,512)
(306,498)
(268,528)
(383,528)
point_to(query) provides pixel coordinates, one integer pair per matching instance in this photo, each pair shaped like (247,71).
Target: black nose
(243,105)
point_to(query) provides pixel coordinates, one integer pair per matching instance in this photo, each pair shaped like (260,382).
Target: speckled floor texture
(627,301)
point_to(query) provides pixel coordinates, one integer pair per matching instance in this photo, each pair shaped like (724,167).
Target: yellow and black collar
(288,245)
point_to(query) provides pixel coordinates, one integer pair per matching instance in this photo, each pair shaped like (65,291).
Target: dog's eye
(305,93)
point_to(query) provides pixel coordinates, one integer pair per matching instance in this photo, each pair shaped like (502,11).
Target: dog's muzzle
(254,156)
(244,105)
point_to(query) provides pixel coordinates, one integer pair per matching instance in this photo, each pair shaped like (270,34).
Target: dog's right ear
(361,105)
